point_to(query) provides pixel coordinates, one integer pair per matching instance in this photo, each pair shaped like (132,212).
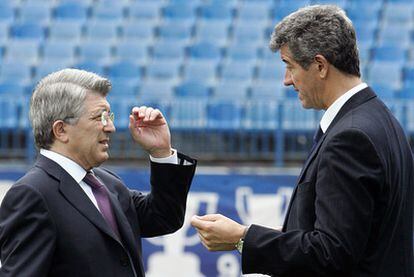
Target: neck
(338,86)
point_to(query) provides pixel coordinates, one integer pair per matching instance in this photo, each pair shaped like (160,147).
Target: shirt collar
(333,110)
(72,168)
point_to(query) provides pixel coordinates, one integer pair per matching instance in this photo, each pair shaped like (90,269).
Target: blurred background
(207,66)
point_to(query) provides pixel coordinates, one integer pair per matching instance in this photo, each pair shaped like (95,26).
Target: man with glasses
(68,216)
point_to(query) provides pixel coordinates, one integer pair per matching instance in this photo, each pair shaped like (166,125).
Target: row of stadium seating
(178,50)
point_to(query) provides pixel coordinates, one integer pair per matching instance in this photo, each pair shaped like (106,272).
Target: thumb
(210,217)
(197,222)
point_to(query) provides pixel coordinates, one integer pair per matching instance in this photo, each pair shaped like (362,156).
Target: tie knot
(92,181)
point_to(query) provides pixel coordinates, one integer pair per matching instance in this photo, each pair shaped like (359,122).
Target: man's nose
(110,127)
(288,79)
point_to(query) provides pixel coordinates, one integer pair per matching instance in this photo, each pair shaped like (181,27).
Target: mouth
(104,142)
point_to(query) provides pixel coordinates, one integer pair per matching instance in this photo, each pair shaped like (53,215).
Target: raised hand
(149,129)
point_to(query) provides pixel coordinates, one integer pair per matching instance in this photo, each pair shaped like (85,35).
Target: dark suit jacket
(49,227)
(351,213)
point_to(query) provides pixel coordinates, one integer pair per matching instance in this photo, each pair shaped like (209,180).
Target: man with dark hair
(70,217)
(351,213)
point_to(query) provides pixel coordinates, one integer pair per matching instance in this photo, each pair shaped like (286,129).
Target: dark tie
(316,137)
(102,198)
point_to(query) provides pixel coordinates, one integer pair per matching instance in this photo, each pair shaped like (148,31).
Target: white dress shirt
(78,173)
(333,110)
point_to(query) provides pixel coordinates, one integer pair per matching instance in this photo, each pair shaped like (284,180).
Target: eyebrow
(94,113)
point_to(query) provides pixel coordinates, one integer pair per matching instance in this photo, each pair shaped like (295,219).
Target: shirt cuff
(173,159)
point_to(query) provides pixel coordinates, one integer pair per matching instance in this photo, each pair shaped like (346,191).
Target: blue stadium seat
(385,73)
(10,71)
(131,50)
(67,30)
(365,33)
(285,7)
(4,33)
(254,11)
(391,53)
(224,115)
(92,66)
(27,30)
(212,30)
(182,12)
(139,30)
(102,29)
(231,90)
(271,70)
(395,34)
(148,10)
(71,10)
(248,32)
(261,115)
(217,10)
(48,66)
(296,118)
(205,50)
(9,108)
(113,11)
(203,70)
(125,70)
(162,69)
(39,12)
(267,90)
(408,73)
(340,3)
(123,87)
(7,13)
(188,114)
(59,50)
(237,70)
(165,49)
(192,3)
(384,90)
(398,12)
(95,50)
(192,89)
(11,88)
(364,11)
(176,30)
(157,88)
(406,92)
(155,92)
(242,52)
(364,48)
(22,51)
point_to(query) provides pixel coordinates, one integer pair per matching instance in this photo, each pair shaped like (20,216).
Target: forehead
(95,101)
(285,54)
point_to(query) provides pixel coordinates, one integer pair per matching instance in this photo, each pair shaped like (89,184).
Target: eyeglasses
(105,116)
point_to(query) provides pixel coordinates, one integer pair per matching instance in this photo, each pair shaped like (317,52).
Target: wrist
(161,153)
(239,244)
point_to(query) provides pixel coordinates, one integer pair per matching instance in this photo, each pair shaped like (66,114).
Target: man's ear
(322,66)
(59,131)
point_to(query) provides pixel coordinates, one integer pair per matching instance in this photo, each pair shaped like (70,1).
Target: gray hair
(319,29)
(61,96)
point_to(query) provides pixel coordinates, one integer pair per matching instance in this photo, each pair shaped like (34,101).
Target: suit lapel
(125,229)
(74,194)
(356,100)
